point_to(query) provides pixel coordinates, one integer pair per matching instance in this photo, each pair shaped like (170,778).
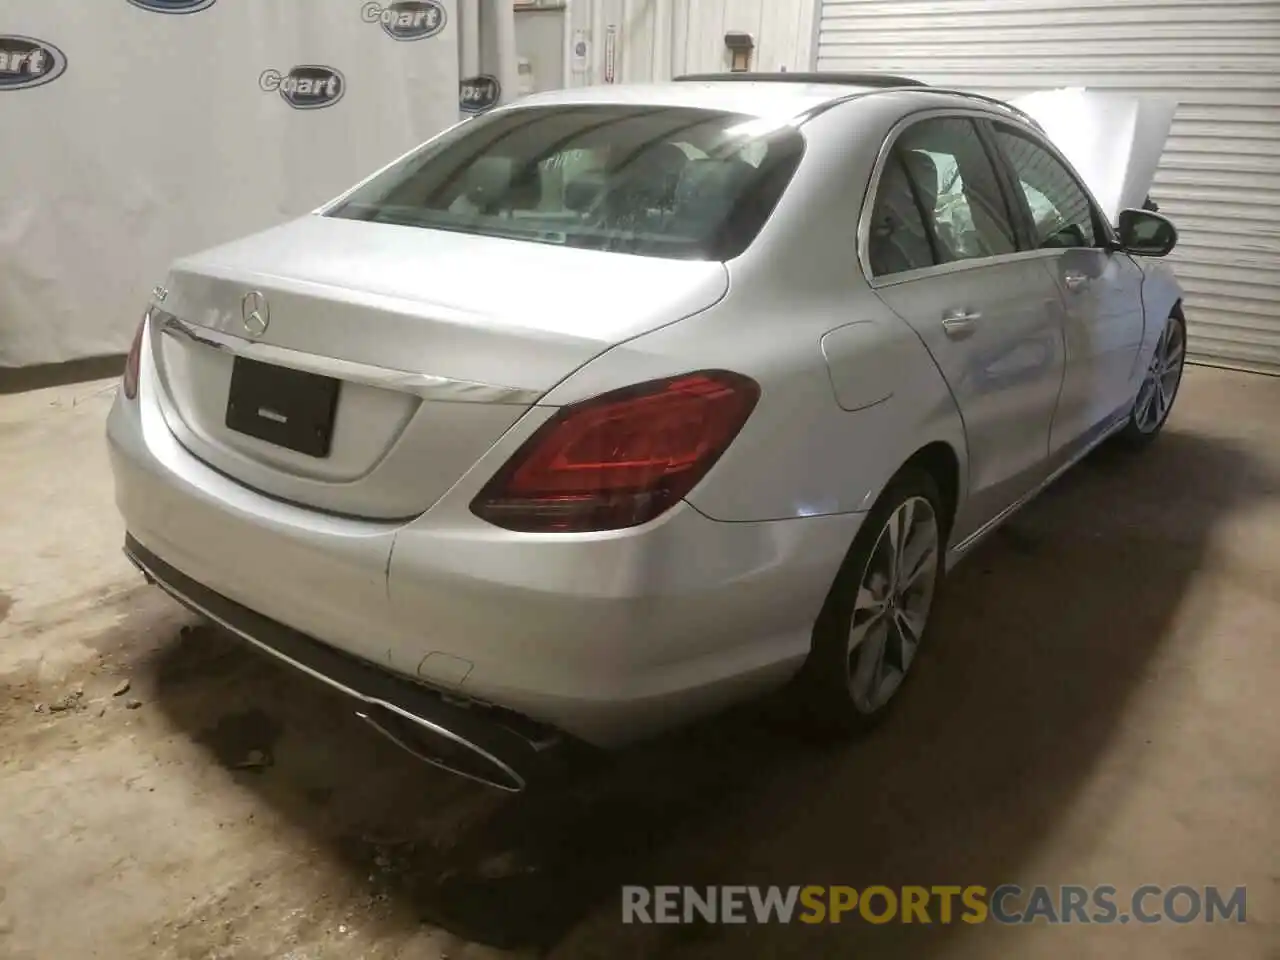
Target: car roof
(775,96)
(759,98)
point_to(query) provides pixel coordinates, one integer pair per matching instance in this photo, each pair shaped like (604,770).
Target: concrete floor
(1097,706)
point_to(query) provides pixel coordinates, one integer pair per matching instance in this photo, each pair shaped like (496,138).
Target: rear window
(655,181)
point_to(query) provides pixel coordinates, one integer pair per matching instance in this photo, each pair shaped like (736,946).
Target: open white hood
(1113,140)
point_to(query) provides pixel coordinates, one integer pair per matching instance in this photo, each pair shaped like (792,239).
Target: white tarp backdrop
(136,131)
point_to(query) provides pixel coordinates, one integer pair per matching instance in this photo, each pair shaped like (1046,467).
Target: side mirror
(1147,234)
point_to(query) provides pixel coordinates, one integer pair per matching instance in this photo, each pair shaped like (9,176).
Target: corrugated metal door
(1220,176)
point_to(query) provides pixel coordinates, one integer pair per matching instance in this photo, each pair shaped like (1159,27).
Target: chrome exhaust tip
(137,565)
(487,744)
(440,747)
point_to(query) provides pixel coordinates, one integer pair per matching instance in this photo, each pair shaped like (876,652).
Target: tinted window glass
(957,186)
(1060,209)
(899,240)
(657,181)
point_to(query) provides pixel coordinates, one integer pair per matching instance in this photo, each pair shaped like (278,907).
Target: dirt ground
(1097,706)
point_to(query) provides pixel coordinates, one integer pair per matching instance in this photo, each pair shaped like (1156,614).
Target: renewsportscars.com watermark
(1007,904)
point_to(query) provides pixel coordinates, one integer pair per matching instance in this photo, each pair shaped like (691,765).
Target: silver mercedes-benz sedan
(615,406)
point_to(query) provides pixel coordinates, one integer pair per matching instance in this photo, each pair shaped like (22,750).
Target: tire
(860,657)
(1159,390)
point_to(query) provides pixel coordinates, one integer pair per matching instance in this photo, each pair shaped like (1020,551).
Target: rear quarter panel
(848,392)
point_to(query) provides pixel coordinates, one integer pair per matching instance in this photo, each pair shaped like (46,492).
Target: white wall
(128,162)
(658,39)
(159,134)
(783,32)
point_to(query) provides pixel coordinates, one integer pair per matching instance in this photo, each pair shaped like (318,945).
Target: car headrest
(664,156)
(925,174)
(654,165)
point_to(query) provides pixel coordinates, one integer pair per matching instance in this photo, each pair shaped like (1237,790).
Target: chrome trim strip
(426,386)
(342,688)
(968,543)
(959,266)
(990,101)
(418,754)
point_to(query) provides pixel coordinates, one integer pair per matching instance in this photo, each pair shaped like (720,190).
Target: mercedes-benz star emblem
(256,313)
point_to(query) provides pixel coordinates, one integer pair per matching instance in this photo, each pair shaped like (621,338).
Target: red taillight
(134,361)
(619,459)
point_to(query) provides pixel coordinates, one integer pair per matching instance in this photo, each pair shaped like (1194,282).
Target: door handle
(1074,281)
(959,324)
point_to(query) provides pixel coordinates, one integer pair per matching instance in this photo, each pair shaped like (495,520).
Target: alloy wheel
(1155,399)
(893,604)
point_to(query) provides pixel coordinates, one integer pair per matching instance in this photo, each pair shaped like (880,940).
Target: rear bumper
(608,637)
(487,744)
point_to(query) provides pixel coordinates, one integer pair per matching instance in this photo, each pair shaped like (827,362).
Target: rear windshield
(656,181)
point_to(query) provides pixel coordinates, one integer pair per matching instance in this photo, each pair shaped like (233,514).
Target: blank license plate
(289,408)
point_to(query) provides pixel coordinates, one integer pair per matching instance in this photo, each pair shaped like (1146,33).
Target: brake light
(620,459)
(133,361)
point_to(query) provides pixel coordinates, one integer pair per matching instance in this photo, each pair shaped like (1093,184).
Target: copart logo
(306,87)
(480,93)
(26,62)
(174,6)
(406,19)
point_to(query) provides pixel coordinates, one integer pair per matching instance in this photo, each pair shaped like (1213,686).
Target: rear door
(1101,288)
(943,253)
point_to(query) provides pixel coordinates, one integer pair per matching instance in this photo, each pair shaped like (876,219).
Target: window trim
(957,266)
(1104,235)
(1015,201)
(926,222)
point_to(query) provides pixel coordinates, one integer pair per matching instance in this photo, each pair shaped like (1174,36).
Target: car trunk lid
(362,368)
